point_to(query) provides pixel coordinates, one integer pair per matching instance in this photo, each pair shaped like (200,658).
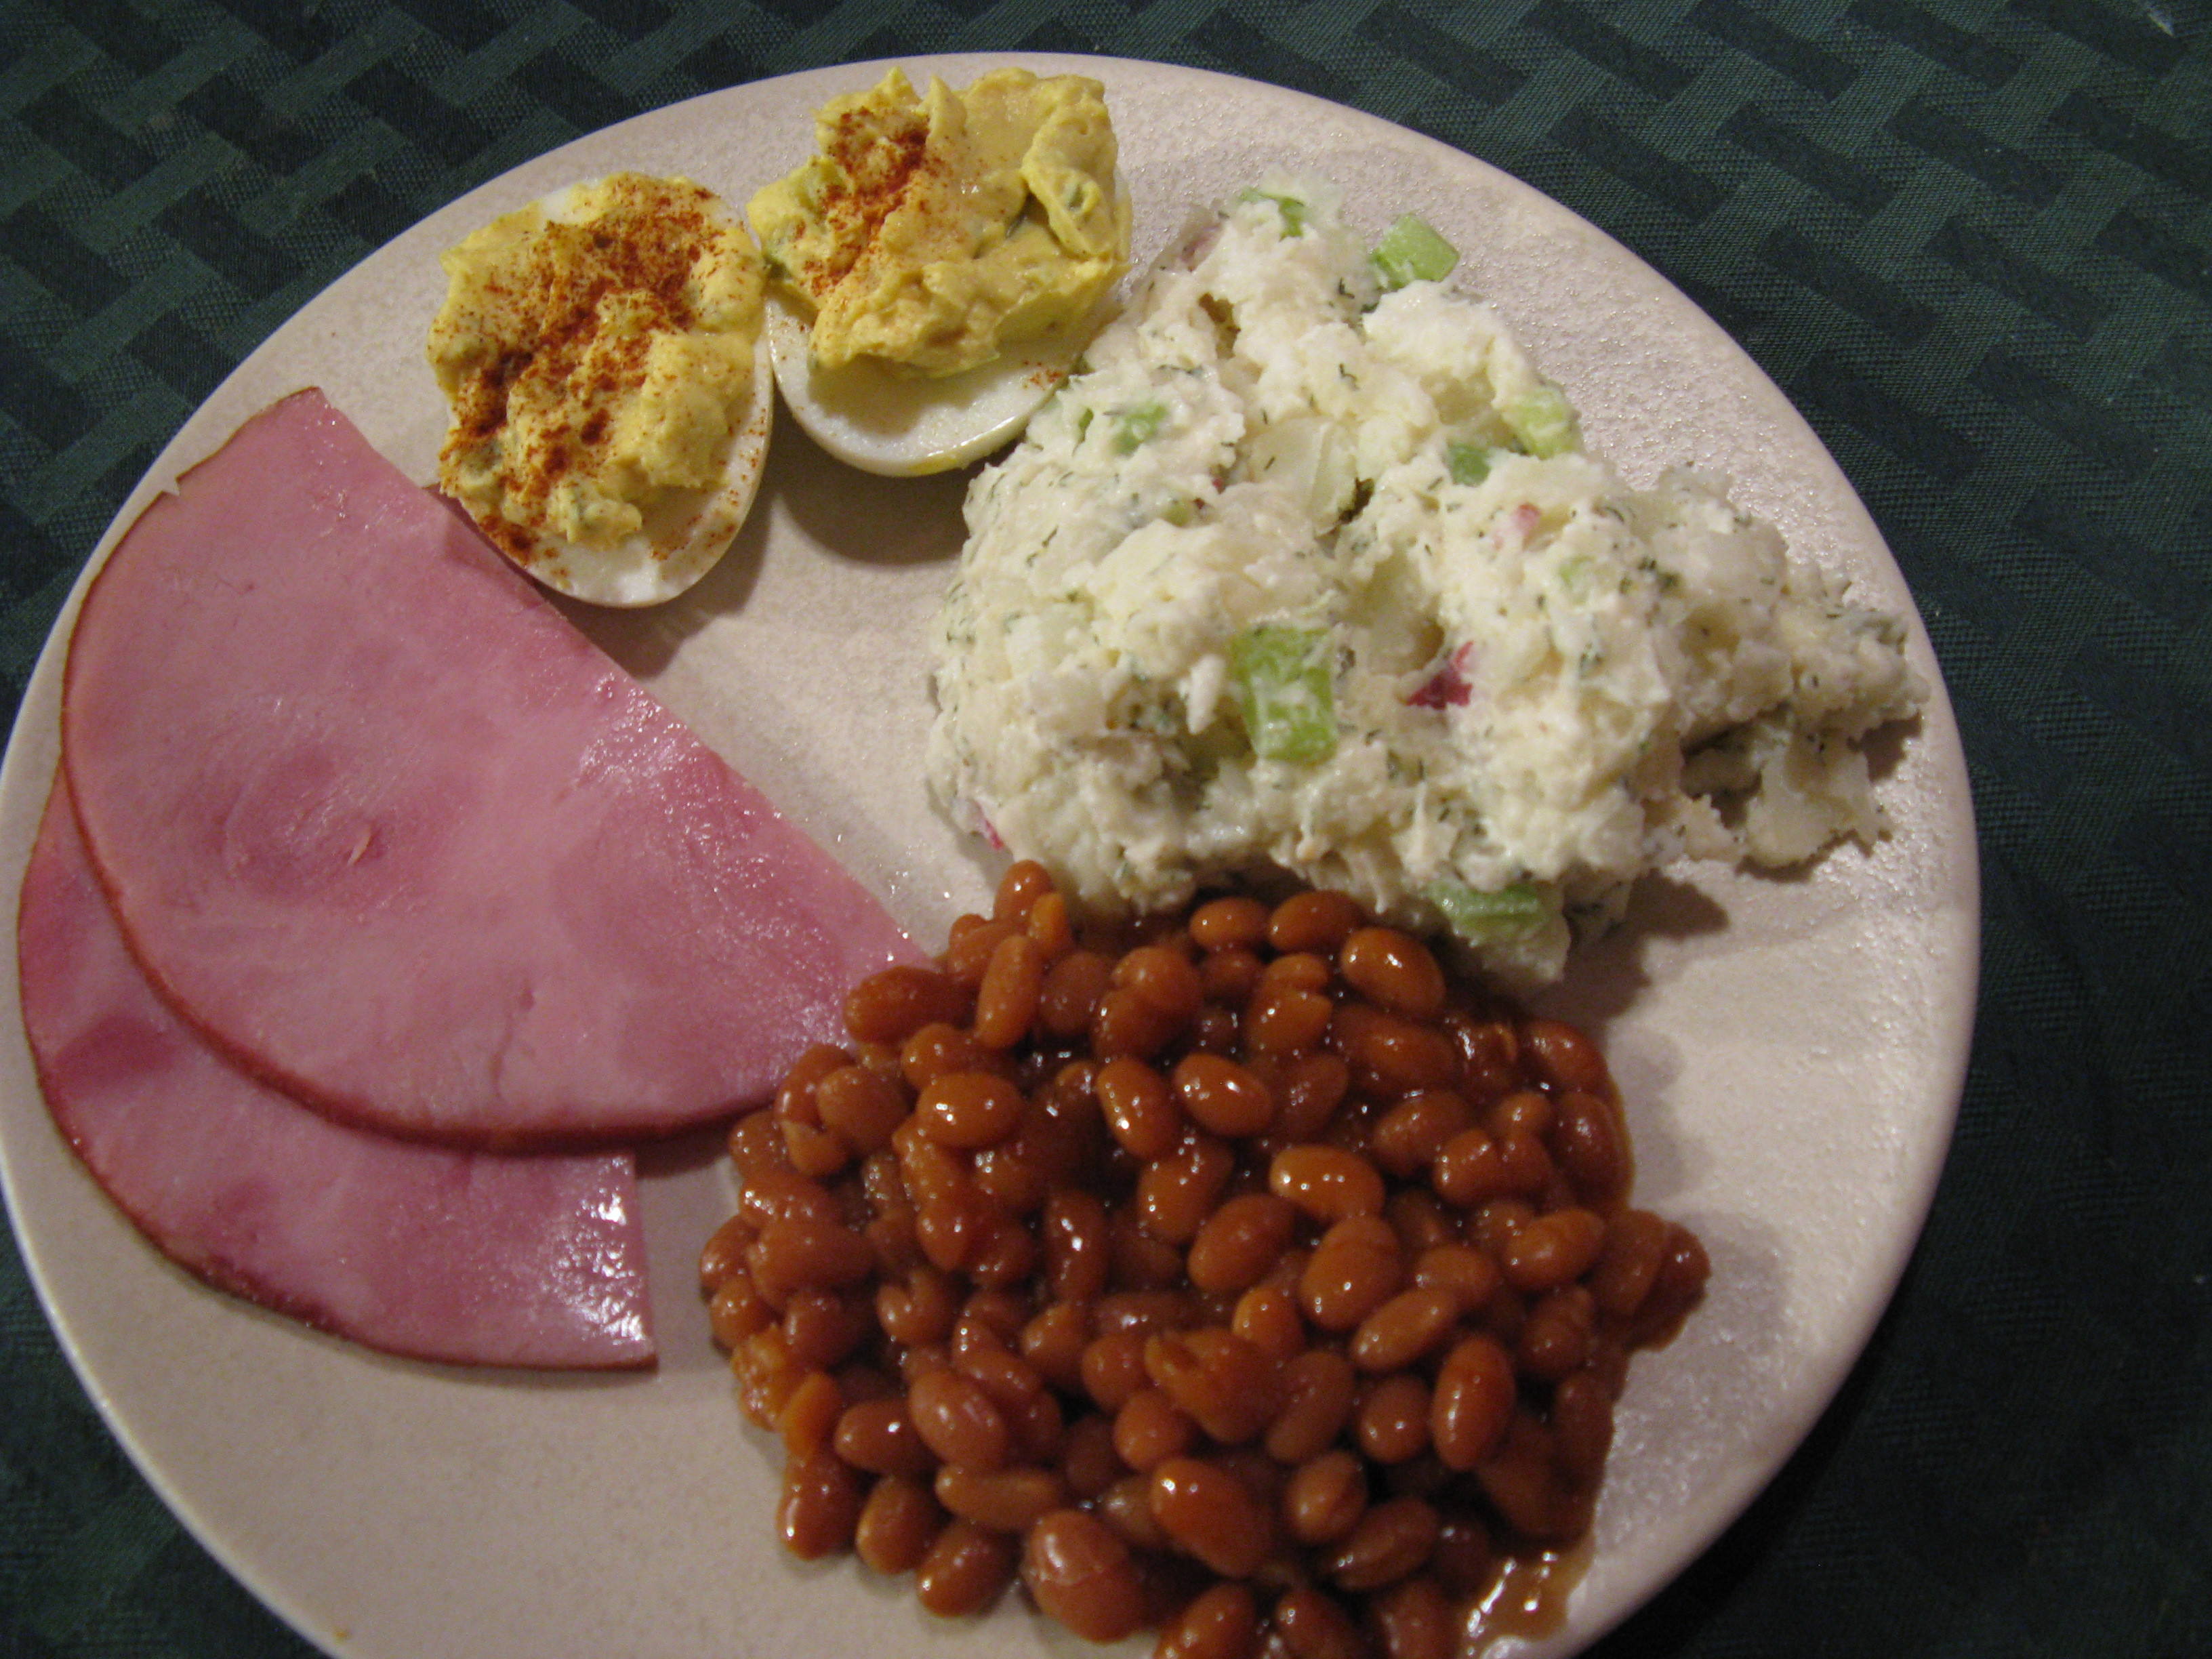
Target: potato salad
(1309,572)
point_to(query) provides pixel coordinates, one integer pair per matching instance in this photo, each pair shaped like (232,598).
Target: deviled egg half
(936,269)
(610,400)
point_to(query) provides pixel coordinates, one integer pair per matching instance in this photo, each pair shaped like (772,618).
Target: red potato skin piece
(463,1258)
(396,838)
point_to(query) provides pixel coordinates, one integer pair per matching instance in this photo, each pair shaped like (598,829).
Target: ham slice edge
(468,1258)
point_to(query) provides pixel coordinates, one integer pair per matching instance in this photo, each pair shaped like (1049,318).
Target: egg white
(685,531)
(902,426)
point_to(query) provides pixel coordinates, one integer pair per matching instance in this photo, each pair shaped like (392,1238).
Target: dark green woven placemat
(1971,240)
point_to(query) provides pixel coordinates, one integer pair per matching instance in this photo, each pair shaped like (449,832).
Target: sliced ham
(396,837)
(471,1258)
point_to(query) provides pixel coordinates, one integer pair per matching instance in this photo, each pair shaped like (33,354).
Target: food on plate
(465,1257)
(1308,573)
(940,262)
(397,839)
(610,406)
(1236,1272)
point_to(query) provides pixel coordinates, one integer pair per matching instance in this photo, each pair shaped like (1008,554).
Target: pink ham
(396,838)
(471,1258)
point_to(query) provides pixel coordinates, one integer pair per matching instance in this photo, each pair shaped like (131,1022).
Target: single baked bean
(820,1506)
(1391,1056)
(1528,1110)
(809,1417)
(1222,1097)
(1325,1497)
(724,1254)
(878,1436)
(1209,1514)
(860,1107)
(1177,1193)
(1628,1265)
(1114,1369)
(919,1311)
(1150,1428)
(1313,1626)
(1565,1058)
(1355,1268)
(1311,1087)
(1392,1541)
(1404,1330)
(1313,920)
(1164,979)
(1126,1024)
(1681,1281)
(957,1421)
(1473,1401)
(965,1569)
(892,1005)
(1006,1001)
(735,1311)
(1283,1019)
(1581,1425)
(1394,970)
(1326,1182)
(1235,1246)
(1048,925)
(1139,1107)
(1591,1145)
(1003,1500)
(1219,1623)
(1224,923)
(755,1144)
(1556,1248)
(824,1326)
(1267,1317)
(967,1109)
(1391,1421)
(1073,986)
(898,1522)
(1318,1389)
(1081,1573)
(1228,1386)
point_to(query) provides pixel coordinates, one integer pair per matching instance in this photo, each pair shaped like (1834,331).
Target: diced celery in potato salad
(1308,571)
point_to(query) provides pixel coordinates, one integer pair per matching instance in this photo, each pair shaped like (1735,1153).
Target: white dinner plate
(1791,1050)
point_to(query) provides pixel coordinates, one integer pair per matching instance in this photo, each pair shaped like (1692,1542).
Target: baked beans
(1240,1274)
